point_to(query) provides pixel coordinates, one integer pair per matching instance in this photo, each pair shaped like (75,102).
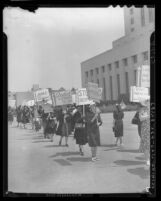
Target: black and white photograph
(79,99)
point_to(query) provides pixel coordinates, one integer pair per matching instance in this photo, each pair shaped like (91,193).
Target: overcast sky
(47,47)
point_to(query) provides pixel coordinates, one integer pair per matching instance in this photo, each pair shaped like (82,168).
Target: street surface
(36,165)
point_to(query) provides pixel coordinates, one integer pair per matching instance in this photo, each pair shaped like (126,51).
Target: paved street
(36,165)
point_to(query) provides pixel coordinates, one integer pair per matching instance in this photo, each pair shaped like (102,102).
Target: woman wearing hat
(118,115)
(144,116)
(93,121)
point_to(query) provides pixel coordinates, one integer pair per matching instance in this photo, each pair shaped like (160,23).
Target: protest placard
(138,94)
(145,76)
(62,98)
(82,97)
(42,95)
(94,93)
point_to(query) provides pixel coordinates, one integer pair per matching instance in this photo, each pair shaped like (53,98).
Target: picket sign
(145,76)
(94,93)
(82,97)
(42,95)
(62,98)
(138,94)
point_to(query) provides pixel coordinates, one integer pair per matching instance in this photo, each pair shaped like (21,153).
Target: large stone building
(116,69)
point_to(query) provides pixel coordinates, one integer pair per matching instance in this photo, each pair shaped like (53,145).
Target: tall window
(127,82)
(132,29)
(104,88)
(134,59)
(145,56)
(91,72)
(111,90)
(135,77)
(98,82)
(97,70)
(151,14)
(117,64)
(125,62)
(142,17)
(103,69)
(86,74)
(131,11)
(109,67)
(132,20)
(118,84)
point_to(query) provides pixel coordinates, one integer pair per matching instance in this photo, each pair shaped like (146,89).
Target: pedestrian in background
(118,115)
(51,126)
(93,121)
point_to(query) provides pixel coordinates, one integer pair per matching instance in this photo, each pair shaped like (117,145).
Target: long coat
(118,125)
(80,133)
(93,133)
(145,131)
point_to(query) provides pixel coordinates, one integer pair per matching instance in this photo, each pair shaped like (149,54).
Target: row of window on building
(118,84)
(151,17)
(125,63)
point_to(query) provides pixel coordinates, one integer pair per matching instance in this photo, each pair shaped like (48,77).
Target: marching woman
(10,115)
(19,115)
(144,116)
(80,131)
(118,115)
(50,126)
(93,121)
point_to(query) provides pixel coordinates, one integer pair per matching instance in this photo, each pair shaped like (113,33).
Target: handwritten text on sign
(145,76)
(81,97)
(138,94)
(62,98)
(42,94)
(94,92)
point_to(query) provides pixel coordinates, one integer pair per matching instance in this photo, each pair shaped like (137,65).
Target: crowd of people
(83,122)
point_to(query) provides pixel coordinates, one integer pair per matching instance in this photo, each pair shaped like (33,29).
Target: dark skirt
(81,136)
(93,136)
(118,129)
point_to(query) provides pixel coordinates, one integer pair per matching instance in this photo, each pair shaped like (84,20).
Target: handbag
(135,119)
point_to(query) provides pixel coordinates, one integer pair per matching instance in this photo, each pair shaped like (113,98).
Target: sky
(48,46)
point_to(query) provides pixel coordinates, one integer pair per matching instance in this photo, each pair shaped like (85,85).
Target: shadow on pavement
(52,146)
(79,159)
(129,150)
(116,148)
(141,172)
(62,162)
(64,154)
(108,145)
(128,162)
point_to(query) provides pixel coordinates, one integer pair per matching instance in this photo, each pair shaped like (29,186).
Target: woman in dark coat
(19,115)
(10,115)
(25,116)
(118,115)
(80,133)
(50,126)
(93,121)
(60,130)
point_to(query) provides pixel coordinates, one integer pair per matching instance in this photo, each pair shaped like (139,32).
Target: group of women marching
(84,123)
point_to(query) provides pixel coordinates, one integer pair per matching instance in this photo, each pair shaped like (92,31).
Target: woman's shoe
(93,159)
(67,145)
(81,153)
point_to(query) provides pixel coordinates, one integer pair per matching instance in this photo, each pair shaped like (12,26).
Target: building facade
(116,69)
